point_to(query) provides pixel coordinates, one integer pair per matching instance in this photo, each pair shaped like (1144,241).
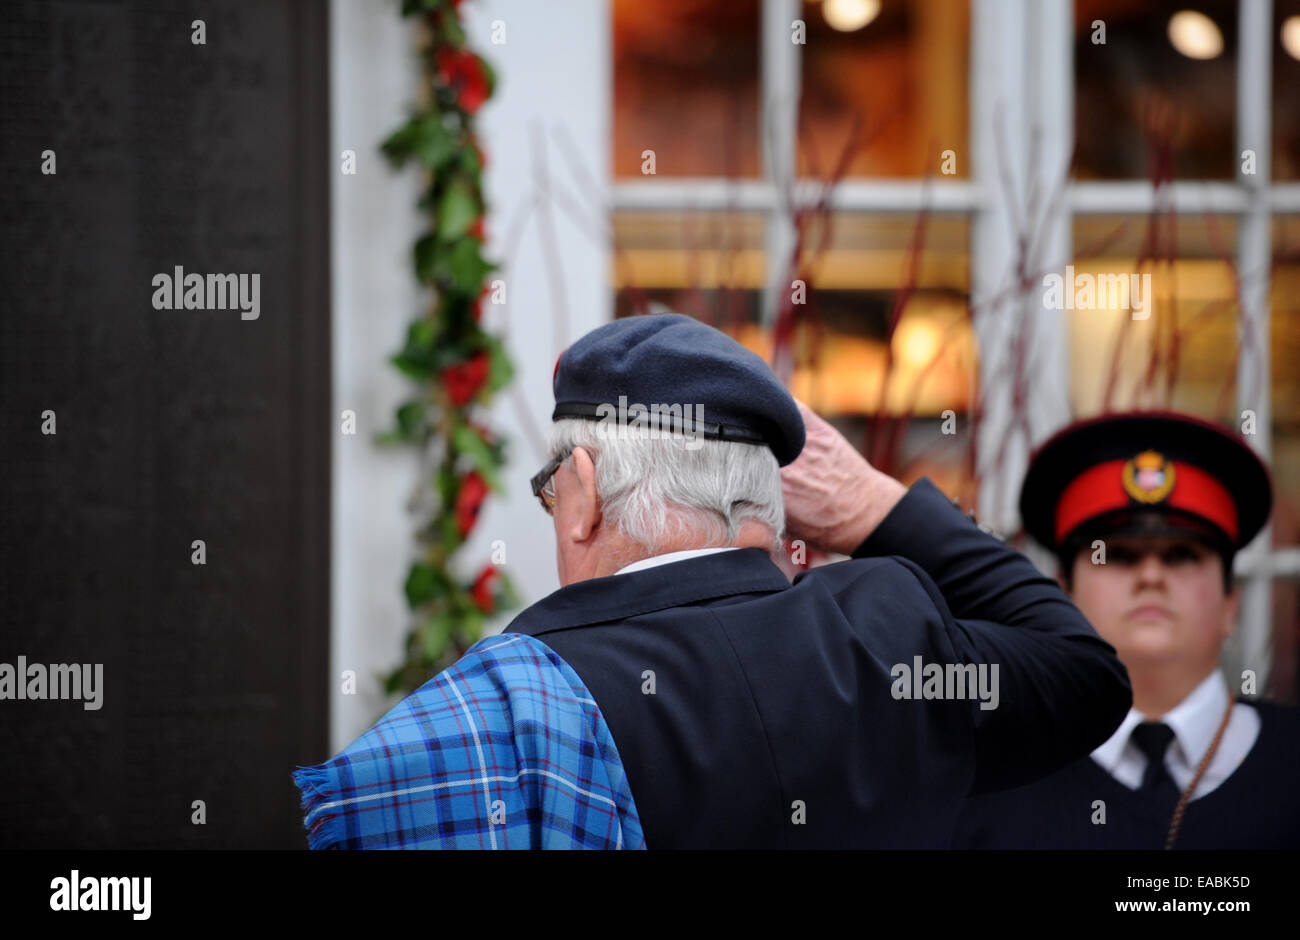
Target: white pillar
(1252,646)
(373,220)
(999,149)
(553,72)
(778,128)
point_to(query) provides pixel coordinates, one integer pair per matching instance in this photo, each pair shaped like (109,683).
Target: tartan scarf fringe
(325,832)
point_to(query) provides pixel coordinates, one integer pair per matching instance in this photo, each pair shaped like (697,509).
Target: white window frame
(1021,138)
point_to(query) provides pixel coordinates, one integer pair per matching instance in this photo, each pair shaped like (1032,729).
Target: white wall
(553,74)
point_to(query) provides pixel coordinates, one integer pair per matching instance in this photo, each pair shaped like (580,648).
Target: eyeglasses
(543,481)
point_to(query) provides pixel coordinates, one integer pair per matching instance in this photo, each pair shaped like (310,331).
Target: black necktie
(1152,739)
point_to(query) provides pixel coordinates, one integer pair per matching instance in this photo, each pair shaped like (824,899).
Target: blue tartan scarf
(504,750)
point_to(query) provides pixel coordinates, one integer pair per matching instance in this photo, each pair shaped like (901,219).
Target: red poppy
(474,84)
(462,70)
(469,500)
(482,590)
(463,380)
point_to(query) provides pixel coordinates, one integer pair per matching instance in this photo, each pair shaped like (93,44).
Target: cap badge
(1148,477)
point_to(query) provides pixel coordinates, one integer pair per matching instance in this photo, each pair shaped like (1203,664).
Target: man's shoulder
(871,574)
(491,672)
(851,569)
(1276,717)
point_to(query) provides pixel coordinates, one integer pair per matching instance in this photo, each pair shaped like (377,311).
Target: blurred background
(909,170)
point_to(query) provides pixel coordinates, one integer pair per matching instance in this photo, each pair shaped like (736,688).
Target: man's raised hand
(834,499)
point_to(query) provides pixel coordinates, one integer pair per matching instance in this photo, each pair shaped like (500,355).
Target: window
(1155,145)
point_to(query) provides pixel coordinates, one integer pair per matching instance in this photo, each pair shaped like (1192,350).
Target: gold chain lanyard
(1200,772)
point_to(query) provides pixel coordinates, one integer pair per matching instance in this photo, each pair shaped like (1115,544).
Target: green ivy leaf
(500,369)
(467,266)
(397,147)
(424,137)
(467,441)
(418,358)
(471,624)
(410,420)
(428,260)
(444,484)
(436,146)
(417,6)
(450,534)
(452,32)
(469,161)
(423,584)
(457,211)
(435,634)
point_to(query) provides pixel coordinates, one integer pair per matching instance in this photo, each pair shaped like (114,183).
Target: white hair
(661,488)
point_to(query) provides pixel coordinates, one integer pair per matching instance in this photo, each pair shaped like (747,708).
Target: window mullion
(778,125)
(1050,113)
(998,155)
(1254,247)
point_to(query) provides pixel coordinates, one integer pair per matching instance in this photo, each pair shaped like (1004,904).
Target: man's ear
(589,514)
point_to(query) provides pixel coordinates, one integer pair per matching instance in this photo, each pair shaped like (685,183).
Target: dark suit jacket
(752,713)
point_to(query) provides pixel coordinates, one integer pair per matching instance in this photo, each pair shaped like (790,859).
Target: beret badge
(1148,477)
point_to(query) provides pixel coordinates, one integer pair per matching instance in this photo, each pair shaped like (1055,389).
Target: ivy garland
(459,365)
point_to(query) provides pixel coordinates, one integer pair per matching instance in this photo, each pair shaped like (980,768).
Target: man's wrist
(881,493)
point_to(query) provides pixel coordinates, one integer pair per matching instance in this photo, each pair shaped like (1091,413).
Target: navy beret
(661,361)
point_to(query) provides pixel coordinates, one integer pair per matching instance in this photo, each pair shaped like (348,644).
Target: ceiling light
(1291,36)
(1195,35)
(848,15)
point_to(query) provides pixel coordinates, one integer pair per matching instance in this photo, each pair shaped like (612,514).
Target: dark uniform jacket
(752,713)
(1255,808)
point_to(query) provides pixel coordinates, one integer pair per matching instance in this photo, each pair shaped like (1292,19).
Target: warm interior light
(1195,35)
(848,15)
(916,341)
(1291,36)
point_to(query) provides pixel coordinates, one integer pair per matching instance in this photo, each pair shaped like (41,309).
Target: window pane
(1183,354)
(686,251)
(710,266)
(1143,108)
(686,86)
(1285,366)
(903,76)
(1286,86)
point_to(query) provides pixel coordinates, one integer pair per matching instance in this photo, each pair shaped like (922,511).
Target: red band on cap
(1100,489)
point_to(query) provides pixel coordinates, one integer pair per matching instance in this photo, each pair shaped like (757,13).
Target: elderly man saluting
(678,691)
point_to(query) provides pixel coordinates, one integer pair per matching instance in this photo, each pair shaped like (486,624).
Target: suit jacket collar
(618,597)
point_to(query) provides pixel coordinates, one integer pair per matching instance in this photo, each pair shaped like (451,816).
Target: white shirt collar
(670,557)
(1194,721)
(1196,718)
